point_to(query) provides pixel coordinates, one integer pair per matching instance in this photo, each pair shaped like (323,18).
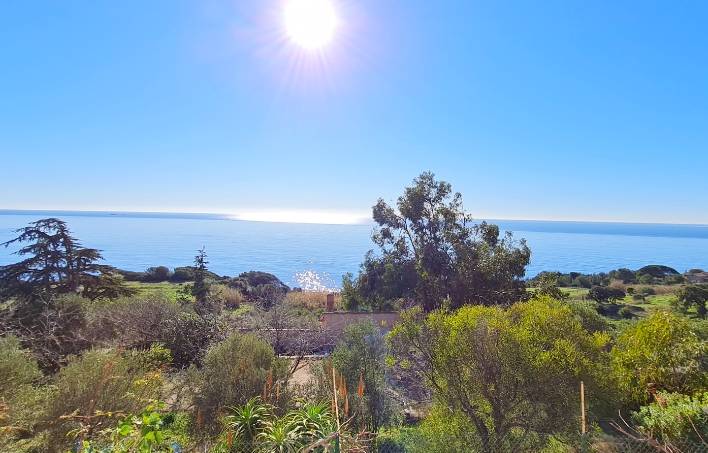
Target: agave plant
(279,436)
(255,427)
(245,423)
(313,421)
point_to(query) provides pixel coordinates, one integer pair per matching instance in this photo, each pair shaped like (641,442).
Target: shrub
(694,295)
(310,300)
(588,315)
(235,370)
(605,294)
(131,276)
(22,400)
(182,274)
(493,366)
(157,274)
(661,352)
(91,386)
(137,323)
(674,417)
(55,332)
(626,312)
(360,358)
(225,296)
(657,271)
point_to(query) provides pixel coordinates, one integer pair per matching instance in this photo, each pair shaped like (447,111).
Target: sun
(310,23)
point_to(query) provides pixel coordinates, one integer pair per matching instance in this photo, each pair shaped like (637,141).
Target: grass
(311,300)
(662,300)
(167,289)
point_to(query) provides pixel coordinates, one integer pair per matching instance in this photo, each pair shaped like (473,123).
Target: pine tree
(56,263)
(200,289)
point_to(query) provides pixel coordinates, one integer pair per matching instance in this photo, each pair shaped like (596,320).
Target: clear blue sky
(533,110)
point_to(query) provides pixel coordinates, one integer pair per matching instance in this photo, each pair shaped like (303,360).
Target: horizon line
(236,216)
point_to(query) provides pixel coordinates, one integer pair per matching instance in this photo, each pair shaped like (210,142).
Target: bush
(360,358)
(235,370)
(22,400)
(54,332)
(626,313)
(657,271)
(257,427)
(157,274)
(137,323)
(674,417)
(520,363)
(588,315)
(661,352)
(605,294)
(224,296)
(182,274)
(131,276)
(91,386)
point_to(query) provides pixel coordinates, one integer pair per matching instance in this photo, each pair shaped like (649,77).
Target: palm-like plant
(255,427)
(279,436)
(313,421)
(246,422)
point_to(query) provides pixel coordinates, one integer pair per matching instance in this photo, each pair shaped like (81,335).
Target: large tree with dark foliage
(56,263)
(433,252)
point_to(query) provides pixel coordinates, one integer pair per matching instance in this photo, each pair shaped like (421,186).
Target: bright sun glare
(310,23)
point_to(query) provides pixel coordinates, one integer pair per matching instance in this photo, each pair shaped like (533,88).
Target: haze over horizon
(574,111)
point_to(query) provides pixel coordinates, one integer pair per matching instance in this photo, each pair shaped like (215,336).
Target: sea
(315,256)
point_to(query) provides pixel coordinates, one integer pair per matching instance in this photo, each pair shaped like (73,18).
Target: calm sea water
(316,256)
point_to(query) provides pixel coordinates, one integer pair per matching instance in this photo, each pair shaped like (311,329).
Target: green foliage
(351,297)
(511,372)
(432,251)
(94,387)
(657,271)
(153,430)
(256,427)
(587,314)
(661,352)
(52,330)
(606,294)
(56,263)
(22,399)
(547,285)
(234,370)
(157,274)
(139,322)
(200,288)
(624,274)
(694,295)
(674,417)
(360,358)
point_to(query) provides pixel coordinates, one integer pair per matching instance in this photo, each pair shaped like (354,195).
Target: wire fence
(588,444)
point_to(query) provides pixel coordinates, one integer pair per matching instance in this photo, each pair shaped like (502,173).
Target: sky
(568,110)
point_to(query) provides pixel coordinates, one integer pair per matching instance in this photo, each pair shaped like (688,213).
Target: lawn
(167,289)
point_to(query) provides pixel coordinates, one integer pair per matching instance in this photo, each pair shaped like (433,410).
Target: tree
(431,250)
(512,373)
(547,285)
(157,274)
(605,294)
(624,274)
(659,353)
(56,263)
(694,295)
(200,288)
